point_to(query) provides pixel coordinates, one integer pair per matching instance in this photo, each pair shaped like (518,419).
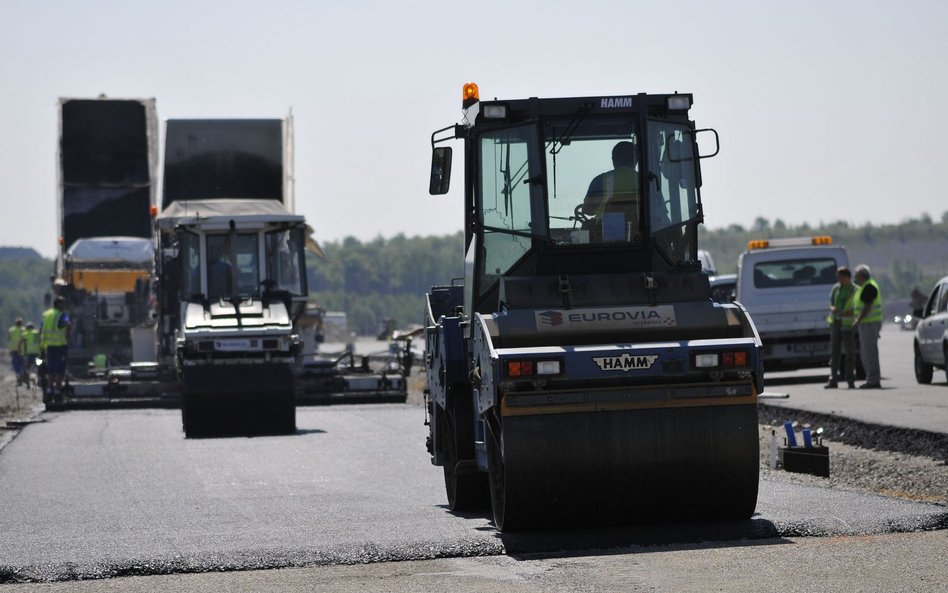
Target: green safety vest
(53,335)
(875,309)
(15,334)
(842,298)
(31,345)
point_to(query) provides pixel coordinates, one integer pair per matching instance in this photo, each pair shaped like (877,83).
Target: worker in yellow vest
(29,350)
(15,335)
(867,311)
(54,338)
(618,191)
(841,329)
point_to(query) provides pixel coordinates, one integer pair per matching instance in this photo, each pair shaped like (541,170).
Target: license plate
(810,347)
(231,345)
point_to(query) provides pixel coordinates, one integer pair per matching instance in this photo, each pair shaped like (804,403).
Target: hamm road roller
(580,373)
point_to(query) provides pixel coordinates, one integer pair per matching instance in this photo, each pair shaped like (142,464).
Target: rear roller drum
(464,484)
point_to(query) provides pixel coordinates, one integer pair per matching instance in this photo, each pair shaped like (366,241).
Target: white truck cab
(785,285)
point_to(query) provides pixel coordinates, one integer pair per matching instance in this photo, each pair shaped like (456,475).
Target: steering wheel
(579,215)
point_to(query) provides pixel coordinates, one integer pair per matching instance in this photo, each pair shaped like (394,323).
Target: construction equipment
(233,271)
(107,155)
(581,373)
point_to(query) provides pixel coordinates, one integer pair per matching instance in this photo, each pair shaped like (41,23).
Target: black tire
(944,350)
(466,488)
(195,410)
(509,512)
(285,416)
(923,370)
(193,417)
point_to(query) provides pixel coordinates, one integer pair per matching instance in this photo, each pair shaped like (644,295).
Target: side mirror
(440,170)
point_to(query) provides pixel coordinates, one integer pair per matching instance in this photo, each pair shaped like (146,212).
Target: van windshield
(795,272)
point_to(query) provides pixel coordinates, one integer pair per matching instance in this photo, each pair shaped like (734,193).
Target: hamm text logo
(613,102)
(626,362)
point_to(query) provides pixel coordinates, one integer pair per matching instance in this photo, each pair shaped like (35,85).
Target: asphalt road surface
(111,493)
(121,495)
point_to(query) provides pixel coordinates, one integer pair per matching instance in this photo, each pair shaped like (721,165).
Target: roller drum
(616,467)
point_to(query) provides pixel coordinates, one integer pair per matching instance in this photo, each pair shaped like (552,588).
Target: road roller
(579,373)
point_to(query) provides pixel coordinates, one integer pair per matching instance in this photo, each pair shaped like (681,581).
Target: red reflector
(740,359)
(727,359)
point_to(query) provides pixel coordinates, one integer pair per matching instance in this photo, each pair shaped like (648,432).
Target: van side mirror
(440,170)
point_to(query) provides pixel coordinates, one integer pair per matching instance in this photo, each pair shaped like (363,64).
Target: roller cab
(580,373)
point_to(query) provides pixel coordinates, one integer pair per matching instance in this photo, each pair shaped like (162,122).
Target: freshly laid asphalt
(121,492)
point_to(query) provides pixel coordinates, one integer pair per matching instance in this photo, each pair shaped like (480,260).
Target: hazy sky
(827,110)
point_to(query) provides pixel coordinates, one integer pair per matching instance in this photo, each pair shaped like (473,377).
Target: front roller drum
(619,467)
(238,400)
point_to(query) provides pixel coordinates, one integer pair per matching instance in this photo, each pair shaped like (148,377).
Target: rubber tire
(193,417)
(944,350)
(465,491)
(923,370)
(509,512)
(285,415)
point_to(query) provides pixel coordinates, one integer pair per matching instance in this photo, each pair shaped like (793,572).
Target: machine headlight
(706,360)
(548,367)
(494,110)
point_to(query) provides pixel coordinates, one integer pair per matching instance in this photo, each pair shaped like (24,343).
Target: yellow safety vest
(844,305)
(15,334)
(620,187)
(53,335)
(875,309)
(30,343)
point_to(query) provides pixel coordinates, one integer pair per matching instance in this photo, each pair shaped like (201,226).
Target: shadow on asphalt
(582,541)
(770,380)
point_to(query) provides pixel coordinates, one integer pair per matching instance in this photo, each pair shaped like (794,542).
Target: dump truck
(580,372)
(106,164)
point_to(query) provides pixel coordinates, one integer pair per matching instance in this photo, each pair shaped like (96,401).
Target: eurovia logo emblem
(626,362)
(550,318)
(606,318)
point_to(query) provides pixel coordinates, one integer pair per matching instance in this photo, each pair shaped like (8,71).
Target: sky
(827,110)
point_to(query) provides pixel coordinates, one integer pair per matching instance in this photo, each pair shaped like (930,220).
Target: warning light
(758,244)
(470,95)
(823,240)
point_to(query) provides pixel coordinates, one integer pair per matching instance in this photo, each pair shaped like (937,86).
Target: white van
(785,285)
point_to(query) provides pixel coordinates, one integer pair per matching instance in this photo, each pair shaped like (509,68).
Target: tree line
(383,278)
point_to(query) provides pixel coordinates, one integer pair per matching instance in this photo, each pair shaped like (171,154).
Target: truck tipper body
(106,164)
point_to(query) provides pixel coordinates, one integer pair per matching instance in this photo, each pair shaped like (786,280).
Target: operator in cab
(613,199)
